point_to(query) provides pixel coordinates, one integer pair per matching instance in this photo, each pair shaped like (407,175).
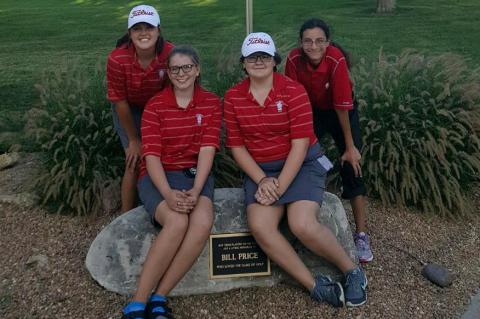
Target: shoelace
(361,243)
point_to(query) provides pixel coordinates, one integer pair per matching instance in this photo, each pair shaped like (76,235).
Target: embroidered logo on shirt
(199,119)
(279,106)
(327,85)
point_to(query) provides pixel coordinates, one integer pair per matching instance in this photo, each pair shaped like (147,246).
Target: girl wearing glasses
(322,68)
(270,132)
(180,134)
(136,71)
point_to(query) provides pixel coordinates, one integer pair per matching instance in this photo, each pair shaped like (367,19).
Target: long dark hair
(313,23)
(125,39)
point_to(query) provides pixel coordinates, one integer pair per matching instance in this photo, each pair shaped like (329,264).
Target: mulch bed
(58,285)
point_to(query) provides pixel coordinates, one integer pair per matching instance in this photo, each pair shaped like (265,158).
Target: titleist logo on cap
(141,13)
(257,40)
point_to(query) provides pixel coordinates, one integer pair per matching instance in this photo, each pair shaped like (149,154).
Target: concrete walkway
(473,310)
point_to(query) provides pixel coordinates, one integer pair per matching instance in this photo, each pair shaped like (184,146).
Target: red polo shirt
(126,80)
(175,135)
(267,131)
(328,85)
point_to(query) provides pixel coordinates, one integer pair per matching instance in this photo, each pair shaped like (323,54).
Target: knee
(302,228)
(202,226)
(176,223)
(259,230)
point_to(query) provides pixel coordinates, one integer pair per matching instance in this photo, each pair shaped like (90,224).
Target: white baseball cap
(258,42)
(143,13)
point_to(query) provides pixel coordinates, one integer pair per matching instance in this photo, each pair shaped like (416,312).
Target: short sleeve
(234,136)
(150,127)
(116,83)
(299,112)
(211,136)
(341,86)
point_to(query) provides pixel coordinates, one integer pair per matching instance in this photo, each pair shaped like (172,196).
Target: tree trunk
(385,6)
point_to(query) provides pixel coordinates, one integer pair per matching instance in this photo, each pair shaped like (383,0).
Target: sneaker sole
(365,260)
(342,296)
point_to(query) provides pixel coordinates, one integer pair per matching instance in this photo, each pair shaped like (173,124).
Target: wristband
(261,180)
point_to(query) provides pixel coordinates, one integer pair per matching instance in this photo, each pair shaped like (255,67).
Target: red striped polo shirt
(328,85)
(175,135)
(126,80)
(267,131)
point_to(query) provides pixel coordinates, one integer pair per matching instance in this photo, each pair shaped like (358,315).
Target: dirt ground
(42,272)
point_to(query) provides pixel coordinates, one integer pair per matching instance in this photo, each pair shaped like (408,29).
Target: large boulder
(115,257)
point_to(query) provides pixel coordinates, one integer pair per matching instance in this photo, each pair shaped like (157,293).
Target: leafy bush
(421,122)
(227,73)
(73,128)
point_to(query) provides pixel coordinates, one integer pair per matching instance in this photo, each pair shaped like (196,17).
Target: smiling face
(182,71)
(144,36)
(314,42)
(259,65)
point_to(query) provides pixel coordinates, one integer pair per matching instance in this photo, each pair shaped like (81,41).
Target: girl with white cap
(136,71)
(270,132)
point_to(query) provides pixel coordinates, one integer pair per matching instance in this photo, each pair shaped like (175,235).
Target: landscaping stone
(437,274)
(115,257)
(21,199)
(8,159)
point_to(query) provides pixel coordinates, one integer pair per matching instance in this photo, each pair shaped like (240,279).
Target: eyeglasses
(318,42)
(186,68)
(262,57)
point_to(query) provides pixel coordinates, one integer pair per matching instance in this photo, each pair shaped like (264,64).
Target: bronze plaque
(236,255)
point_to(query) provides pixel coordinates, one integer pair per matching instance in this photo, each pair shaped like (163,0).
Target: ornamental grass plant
(72,126)
(421,122)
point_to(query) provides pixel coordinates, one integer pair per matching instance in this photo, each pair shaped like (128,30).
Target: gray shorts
(137,119)
(178,180)
(309,184)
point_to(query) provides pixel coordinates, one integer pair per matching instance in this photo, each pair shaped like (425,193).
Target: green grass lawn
(44,34)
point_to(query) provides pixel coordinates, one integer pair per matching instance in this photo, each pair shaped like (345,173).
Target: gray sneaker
(355,287)
(362,243)
(328,291)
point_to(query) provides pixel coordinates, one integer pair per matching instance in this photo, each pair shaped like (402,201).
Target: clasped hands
(183,201)
(268,191)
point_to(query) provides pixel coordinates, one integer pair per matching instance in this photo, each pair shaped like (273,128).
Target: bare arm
(351,154)
(267,191)
(175,199)
(133,150)
(294,162)
(204,166)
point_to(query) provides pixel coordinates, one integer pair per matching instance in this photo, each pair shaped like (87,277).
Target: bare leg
(199,226)
(359,204)
(263,223)
(162,251)
(315,236)
(129,190)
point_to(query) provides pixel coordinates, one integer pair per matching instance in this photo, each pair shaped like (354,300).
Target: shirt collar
(279,82)
(199,95)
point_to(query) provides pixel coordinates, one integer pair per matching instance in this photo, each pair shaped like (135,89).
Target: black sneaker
(134,315)
(328,291)
(157,308)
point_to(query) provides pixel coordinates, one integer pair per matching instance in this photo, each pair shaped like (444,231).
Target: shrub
(72,126)
(227,73)
(421,122)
